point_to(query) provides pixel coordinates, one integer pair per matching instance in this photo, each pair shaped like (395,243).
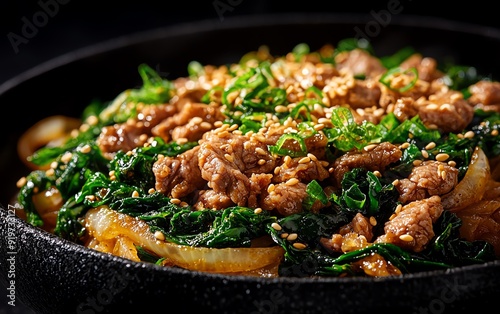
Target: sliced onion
(51,130)
(472,187)
(105,224)
(47,204)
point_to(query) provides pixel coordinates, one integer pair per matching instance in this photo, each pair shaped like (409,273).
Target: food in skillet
(333,162)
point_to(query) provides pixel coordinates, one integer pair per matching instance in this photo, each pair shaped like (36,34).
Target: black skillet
(55,276)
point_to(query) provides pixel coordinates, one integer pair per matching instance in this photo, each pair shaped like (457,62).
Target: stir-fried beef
(448,111)
(429,178)
(179,176)
(485,95)
(135,132)
(411,228)
(375,159)
(192,120)
(426,67)
(286,198)
(359,62)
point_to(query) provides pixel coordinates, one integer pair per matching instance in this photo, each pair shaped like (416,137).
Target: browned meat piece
(178,177)
(227,160)
(411,228)
(404,109)
(359,225)
(302,170)
(285,198)
(426,67)
(377,158)
(259,183)
(362,93)
(485,95)
(388,97)
(365,93)
(135,132)
(192,120)
(430,178)
(316,145)
(221,171)
(359,62)
(448,111)
(211,199)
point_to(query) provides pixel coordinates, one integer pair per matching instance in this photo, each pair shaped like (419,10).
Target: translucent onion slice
(472,187)
(51,130)
(105,224)
(47,204)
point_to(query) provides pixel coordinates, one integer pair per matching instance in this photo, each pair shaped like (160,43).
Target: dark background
(73,24)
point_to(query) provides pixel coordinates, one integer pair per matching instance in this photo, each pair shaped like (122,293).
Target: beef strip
(411,228)
(429,178)
(377,158)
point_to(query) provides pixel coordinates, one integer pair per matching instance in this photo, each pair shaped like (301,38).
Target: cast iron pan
(55,276)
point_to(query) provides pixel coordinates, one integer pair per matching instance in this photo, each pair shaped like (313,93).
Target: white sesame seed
(276,226)
(406,237)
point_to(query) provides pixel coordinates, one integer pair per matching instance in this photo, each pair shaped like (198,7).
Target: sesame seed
(276,226)
(284,235)
(21,182)
(159,235)
(175,201)
(143,137)
(270,188)
(151,190)
(280,108)
(404,145)
(229,157)
(259,150)
(319,126)
(257,211)
(135,194)
(392,217)
(452,163)
(196,120)
(66,157)
(184,204)
(369,147)
(90,197)
(304,160)
(223,134)
(377,173)
(261,162)
(425,154)
(431,145)
(373,221)
(442,157)
(299,246)
(398,208)
(312,157)
(406,237)
(469,134)
(494,132)
(292,237)
(292,181)
(49,172)
(218,124)
(417,162)
(277,170)
(233,127)
(395,182)
(53,165)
